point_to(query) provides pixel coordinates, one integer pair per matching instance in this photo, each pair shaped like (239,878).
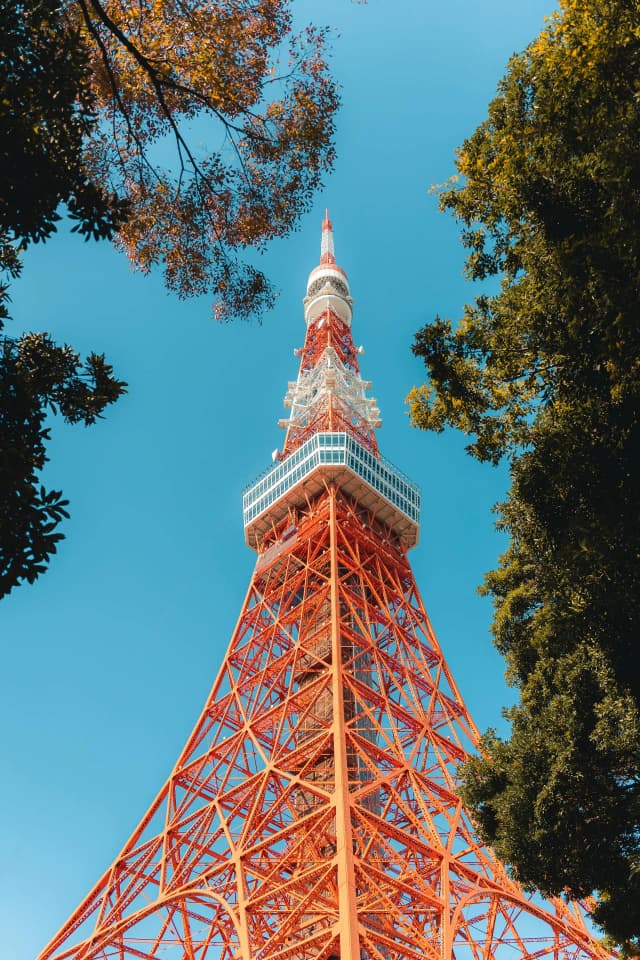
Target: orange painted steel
(313,812)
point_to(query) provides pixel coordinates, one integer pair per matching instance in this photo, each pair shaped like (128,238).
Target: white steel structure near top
(329,380)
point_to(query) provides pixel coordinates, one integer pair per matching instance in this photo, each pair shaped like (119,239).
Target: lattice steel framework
(313,812)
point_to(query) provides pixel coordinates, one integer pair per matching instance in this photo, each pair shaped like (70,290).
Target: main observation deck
(338,458)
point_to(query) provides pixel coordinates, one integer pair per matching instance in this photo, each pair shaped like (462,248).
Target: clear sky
(108,658)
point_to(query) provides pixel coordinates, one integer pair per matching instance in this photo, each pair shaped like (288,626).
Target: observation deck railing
(374,480)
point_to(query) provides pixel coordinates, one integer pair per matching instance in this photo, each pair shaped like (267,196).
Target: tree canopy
(36,376)
(193,130)
(188,132)
(46,111)
(545,372)
(216,126)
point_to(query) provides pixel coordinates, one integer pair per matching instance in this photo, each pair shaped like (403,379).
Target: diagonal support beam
(347,905)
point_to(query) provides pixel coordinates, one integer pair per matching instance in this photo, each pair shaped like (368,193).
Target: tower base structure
(314,812)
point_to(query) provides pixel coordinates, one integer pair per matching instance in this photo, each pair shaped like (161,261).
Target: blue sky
(108,658)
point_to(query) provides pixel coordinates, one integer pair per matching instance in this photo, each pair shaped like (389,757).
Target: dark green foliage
(91,93)
(36,377)
(46,111)
(547,373)
(560,799)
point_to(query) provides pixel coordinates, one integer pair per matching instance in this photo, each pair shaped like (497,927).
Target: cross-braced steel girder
(313,812)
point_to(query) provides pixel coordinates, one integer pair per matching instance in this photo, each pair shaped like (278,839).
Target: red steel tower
(313,812)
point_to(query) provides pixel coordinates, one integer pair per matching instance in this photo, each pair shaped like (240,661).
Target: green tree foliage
(46,111)
(547,373)
(188,131)
(36,377)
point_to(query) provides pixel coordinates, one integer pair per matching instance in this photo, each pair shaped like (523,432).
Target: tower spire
(329,393)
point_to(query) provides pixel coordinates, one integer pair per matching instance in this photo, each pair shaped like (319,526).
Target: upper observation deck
(335,458)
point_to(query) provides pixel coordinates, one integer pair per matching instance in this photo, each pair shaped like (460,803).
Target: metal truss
(329,393)
(313,812)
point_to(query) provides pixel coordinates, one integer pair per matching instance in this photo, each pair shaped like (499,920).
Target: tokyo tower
(313,813)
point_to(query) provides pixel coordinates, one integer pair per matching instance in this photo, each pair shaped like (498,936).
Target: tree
(35,377)
(47,108)
(98,98)
(545,372)
(46,111)
(160,70)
